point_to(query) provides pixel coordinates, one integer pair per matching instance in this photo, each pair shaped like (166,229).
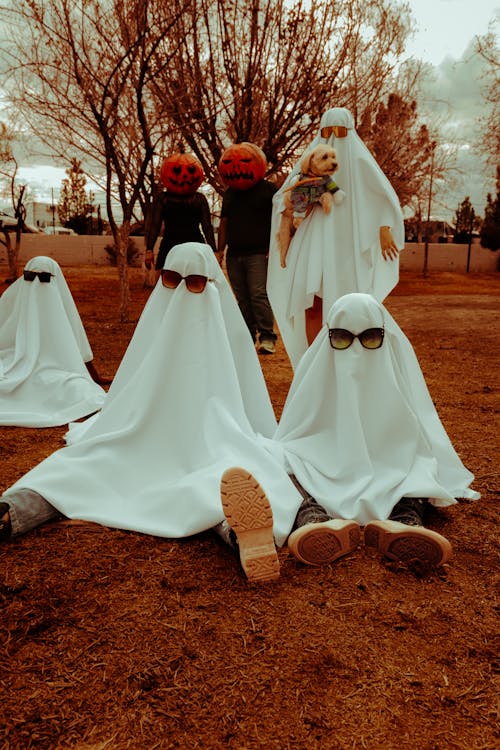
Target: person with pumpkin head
(245,229)
(180,208)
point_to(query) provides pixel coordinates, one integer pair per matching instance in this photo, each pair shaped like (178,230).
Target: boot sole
(406,543)
(322,543)
(249,514)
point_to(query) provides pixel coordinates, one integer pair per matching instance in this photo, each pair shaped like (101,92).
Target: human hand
(148,259)
(388,246)
(220,257)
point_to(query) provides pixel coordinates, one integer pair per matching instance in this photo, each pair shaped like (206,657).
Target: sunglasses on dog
(44,276)
(339,131)
(195,282)
(372,338)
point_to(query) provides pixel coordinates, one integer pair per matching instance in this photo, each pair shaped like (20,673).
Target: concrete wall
(89,250)
(442,257)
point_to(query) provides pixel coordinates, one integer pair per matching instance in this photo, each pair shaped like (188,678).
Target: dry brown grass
(118,641)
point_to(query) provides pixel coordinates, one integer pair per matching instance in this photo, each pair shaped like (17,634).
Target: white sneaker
(399,541)
(249,514)
(322,543)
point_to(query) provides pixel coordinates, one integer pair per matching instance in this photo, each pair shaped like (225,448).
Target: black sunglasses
(44,276)
(340,338)
(195,282)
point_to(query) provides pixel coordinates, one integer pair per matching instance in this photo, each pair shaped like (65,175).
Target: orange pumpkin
(182,174)
(242,165)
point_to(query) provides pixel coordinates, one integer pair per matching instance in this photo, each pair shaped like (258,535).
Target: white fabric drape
(337,253)
(43,349)
(359,429)
(188,402)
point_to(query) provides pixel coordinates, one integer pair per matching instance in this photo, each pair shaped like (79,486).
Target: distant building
(435,230)
(42,214)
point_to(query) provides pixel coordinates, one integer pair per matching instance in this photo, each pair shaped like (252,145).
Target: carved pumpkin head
(242,165)
(181,174)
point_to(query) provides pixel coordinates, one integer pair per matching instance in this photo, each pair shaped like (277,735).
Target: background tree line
(123,83)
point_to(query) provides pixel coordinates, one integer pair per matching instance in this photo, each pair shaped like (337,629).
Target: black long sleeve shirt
(181,216)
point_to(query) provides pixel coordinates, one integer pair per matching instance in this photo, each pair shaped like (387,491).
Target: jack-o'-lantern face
(242,165)
(181,174)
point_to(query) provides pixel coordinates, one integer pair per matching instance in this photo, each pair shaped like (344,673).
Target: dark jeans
(248,277)
(309,511)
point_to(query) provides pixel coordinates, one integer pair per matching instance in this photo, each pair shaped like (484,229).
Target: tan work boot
(249,514)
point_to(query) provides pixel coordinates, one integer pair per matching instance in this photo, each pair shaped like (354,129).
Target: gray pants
(248,277)
(27,510)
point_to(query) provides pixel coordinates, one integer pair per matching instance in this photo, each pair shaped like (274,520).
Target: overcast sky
(446,27)
(444,33)
(453,95)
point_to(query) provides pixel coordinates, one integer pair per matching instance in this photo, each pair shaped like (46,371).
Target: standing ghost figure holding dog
(353,248)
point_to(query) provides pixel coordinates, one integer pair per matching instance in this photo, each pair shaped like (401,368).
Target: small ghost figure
(314,184)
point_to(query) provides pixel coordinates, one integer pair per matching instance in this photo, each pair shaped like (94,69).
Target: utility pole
(53,212)
(471,226)
(426,247)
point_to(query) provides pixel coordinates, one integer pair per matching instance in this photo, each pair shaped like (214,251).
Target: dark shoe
(267,346)
(406,543)
(310,511)
(226,533)
(5,524)
(249,514)
(322,543)
(409,510)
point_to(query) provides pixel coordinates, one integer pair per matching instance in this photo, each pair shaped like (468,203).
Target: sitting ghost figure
(361,434)
(45,356)
(188,402)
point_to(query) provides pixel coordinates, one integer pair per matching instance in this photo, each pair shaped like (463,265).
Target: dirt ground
(112,640)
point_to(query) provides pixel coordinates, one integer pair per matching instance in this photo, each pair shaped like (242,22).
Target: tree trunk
(12,255)
(121,243)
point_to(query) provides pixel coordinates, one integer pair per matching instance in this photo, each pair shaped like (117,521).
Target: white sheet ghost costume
(187,403)
(44,381)
(335,253)
(359,429)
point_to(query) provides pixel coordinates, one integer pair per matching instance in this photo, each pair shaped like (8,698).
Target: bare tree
(8,169)
(265,70)
(401,144)
(487,47)
(80,75)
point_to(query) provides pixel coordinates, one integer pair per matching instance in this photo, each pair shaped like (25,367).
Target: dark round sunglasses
(195,282)
(340,338)
(44,276)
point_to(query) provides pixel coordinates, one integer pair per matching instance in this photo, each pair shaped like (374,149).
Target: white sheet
(359,429)
(337,253)
(43,349)
(188,402)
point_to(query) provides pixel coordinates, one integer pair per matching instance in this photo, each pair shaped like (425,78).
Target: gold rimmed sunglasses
(339,131)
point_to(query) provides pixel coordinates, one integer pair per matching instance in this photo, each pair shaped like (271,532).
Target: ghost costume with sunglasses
(45,355)
(188,402)
(361,434)
(353,248)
